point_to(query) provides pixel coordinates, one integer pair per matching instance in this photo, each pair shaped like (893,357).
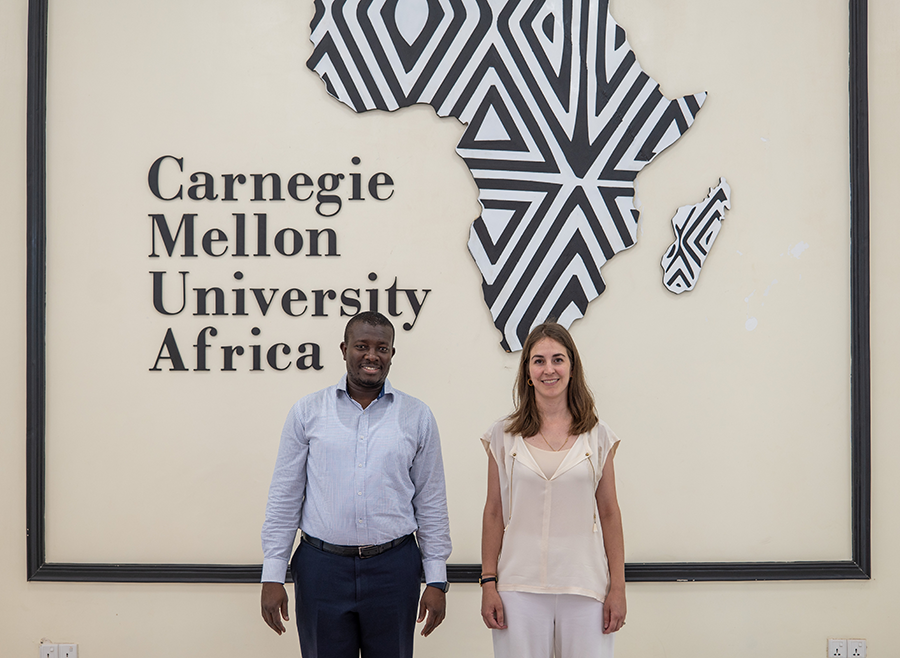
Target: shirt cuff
(274,570)
(435,571)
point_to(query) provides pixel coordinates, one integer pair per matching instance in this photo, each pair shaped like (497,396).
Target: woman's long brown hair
(526,419)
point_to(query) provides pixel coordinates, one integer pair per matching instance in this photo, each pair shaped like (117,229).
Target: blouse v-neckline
(573,455)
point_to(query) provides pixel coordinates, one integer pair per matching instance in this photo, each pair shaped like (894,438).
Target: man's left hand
(432,607)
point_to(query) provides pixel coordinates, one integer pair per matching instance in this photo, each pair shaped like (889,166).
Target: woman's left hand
(614,611)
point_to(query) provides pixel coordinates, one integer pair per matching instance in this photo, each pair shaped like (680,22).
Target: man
(359,470)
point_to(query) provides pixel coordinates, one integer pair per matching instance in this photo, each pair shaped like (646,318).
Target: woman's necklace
(550,446)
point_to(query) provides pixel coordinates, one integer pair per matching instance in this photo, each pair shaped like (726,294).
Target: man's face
(368,352)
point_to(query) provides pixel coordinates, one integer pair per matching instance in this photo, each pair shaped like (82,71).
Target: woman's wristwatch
(486,579)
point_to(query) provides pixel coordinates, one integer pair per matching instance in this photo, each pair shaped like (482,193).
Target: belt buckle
(360,551)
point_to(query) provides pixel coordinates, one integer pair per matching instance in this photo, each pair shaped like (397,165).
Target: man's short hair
(371,318)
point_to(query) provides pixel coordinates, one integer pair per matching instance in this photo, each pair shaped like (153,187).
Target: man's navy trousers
(347,605)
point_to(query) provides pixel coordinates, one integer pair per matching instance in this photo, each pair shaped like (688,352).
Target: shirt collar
(386,388)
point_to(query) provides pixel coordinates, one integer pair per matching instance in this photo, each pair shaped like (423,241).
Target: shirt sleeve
(430,502)
(607,440)
(285,499)
(492,440)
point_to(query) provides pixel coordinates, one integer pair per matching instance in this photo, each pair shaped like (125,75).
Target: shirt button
(360,465)
(359,520)
(359,493)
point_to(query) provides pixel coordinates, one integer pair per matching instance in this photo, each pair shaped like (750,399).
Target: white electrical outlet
(49,650)
(68,651)
(856,648)
(837,648)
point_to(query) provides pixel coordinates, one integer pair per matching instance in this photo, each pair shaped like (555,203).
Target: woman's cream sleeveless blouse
(553,542)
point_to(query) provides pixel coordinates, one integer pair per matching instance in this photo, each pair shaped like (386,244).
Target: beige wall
(672,620)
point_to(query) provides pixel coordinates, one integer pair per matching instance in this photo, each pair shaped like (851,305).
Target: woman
(557,587)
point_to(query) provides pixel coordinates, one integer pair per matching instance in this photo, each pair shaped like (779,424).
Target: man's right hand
(274,603)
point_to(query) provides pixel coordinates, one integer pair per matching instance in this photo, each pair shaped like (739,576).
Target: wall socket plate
(68,651)
(837,648)
(856,648)
(50,650)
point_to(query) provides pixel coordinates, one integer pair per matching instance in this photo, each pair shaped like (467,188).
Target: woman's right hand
(492,607)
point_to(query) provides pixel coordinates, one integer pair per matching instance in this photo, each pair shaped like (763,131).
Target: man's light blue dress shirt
(358,477)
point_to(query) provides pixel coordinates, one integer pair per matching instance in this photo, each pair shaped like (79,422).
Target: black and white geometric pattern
(696,228)
(560,120)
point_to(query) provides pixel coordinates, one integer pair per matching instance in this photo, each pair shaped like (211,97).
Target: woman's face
(549,369)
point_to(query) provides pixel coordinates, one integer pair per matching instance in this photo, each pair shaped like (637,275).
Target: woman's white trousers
(552,626)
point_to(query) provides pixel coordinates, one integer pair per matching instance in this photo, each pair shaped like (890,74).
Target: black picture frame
(858,567)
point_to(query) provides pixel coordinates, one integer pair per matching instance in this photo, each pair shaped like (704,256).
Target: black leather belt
(352,551)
